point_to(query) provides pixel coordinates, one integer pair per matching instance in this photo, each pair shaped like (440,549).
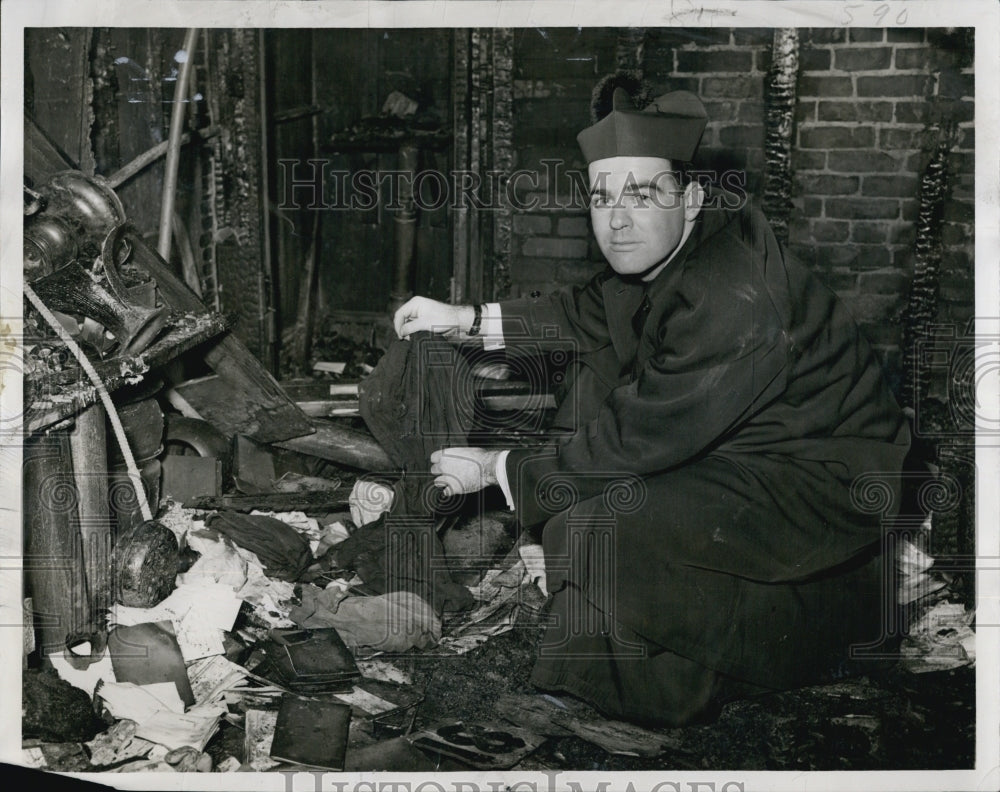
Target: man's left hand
(459,471)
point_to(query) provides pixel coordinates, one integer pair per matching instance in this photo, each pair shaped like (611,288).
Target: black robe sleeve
(572,317)
(721,355)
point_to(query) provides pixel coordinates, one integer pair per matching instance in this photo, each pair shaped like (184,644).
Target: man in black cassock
(707,528)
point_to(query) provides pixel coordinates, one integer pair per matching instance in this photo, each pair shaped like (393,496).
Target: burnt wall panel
(58,89)
(356,71)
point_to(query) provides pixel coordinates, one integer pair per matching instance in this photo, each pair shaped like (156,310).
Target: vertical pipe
(174,145)
(406,228)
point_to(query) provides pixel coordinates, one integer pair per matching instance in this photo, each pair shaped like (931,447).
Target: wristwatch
(477,321)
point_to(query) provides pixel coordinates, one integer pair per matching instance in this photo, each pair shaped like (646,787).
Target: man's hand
(459,471)
(421,313)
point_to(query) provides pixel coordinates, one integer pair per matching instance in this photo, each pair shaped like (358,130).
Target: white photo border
(16,15)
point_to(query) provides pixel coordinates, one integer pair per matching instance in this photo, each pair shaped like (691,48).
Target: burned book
(311,733)
(308,661)
(282,550)
(390,708)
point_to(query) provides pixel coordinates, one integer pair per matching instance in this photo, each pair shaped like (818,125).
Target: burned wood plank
(329,408)
(251,402)
(308,502)
(341,408)
(89,451)
(312,390)
(340,399)
(55,397)
(54,566)
(341,445)
(42,157)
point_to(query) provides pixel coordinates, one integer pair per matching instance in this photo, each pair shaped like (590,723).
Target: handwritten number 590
(879,13)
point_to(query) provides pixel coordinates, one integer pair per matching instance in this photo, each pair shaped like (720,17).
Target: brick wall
(869,100)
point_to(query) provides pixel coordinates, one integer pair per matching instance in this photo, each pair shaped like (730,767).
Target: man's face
(638,212)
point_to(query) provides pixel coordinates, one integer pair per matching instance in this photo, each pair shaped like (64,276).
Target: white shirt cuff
(492,327)
(502,480)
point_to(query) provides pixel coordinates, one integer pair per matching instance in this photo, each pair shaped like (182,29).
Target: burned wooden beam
(50,398)
(779,129)
(922,306)
(151,155)
(249,399)
(308,502)
(342,445)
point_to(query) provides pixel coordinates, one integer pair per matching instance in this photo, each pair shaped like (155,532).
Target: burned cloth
(417,400)
(401,553)
(282,550)
(386,623)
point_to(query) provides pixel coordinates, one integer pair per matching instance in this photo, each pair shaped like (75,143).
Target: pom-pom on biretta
(671,127)
(601,98)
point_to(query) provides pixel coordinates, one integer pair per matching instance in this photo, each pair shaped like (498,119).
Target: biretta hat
(670,127)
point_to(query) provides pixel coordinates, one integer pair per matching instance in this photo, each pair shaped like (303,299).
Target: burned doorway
(386,174)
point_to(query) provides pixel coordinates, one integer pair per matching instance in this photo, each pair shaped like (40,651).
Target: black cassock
(714,513)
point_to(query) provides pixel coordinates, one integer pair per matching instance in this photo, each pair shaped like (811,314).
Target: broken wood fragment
(330,366)
(552,716)
(308,502)
(329,408)
(187,477)
(342,445)
(248,400)
(50,398)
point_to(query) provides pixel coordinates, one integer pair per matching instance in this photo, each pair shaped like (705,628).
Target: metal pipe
(174,145)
